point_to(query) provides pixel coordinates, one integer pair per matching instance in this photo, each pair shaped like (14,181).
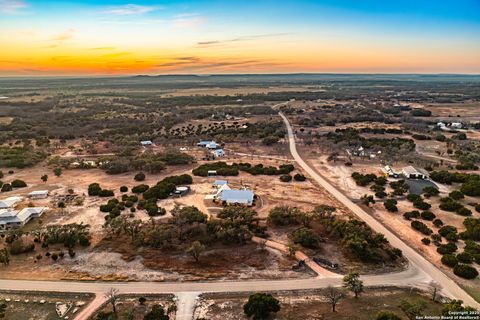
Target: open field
(312,305)
(42,306)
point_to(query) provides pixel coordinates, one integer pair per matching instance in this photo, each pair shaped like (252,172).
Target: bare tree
(112,296)
(435,288)
(333,296)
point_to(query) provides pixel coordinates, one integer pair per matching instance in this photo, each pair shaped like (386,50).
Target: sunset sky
(204,37)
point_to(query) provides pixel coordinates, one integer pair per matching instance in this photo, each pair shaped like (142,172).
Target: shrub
(430,191)
(284,216)
(471,187)
(61,204)
(306,237)
(426,241)
(285,178)
(422,227)
(422,205)
(6,187)
(452,237)
(363,179)
(104,193)
(414,197)
(456,195)
(465,271)
(437,223)
(123,189)
(465,257)
(477,207)
(299,177)
(447,248)
(391,205)
(427,215)
(449,260)
(415,214)
(443,231)
(139,176)
(448,204)
(463,211)
(18,183)
(94,189)
(141,188)
(380,194)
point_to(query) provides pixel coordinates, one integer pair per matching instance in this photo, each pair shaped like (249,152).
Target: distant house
(456,125)
(218,153)
(204,143)
(414,173)
(243,197)
(213,145)
(9,202)
(146,143)
(212,173)
(11,219)
(389,171)
(40,194)
(441,124)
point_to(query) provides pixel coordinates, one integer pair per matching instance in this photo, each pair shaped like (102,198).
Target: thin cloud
(188,20)
(239,39)
(179,61)
(129,9)
(12,6)
(64,36)
(58,39)
(189,63)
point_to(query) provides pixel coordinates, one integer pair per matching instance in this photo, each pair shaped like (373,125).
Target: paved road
(417,261)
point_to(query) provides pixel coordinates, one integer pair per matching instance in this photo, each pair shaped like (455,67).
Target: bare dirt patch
(312,305)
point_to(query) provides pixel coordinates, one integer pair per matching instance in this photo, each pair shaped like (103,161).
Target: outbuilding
(39,194)
(146,143)
(414,173)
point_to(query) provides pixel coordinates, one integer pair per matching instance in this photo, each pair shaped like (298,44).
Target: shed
(39,194)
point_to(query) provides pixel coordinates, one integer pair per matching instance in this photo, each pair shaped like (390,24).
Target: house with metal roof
(146,143)
(9,202)
(243,197)
(205,143)
(10,219)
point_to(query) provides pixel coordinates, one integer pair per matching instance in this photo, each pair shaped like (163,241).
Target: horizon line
(240,74)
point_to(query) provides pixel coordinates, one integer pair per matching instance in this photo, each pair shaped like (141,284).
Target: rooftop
(237,196)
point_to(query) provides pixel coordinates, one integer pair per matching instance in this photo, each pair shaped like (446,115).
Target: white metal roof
(9,202)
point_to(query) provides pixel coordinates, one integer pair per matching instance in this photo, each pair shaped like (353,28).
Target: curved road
(417,261)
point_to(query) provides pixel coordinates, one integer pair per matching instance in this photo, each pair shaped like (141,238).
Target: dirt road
(449,287)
